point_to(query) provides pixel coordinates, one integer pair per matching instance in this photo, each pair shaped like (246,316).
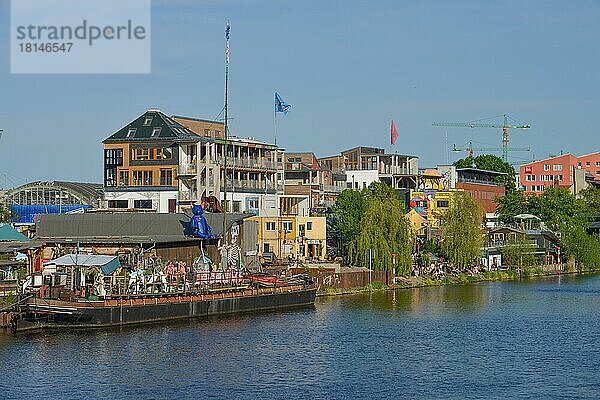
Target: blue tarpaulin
(27,213)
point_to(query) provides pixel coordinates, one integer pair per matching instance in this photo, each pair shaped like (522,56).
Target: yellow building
(430,204)
(293,237)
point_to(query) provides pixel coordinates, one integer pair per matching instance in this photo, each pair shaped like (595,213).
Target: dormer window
(148,121)
(156,132)
(131,132)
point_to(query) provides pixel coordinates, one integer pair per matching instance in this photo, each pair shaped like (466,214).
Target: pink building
(559,171)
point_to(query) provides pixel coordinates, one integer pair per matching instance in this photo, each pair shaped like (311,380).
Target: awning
(108,264)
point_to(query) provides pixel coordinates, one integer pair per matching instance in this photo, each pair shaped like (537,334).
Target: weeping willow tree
(386,230)
(462,235)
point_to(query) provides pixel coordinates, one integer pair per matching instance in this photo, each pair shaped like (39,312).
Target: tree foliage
(591,197)
(583,248)
(462,235)
(349,209)
(4,213)
(519,252)
(374,219)
(491,162)
(556,207)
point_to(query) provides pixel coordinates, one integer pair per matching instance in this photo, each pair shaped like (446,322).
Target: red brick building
(483,186)
(559,171)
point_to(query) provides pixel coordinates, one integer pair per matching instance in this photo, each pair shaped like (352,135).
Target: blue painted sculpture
(200,228)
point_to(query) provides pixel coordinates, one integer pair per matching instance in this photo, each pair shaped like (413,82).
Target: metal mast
(226,136)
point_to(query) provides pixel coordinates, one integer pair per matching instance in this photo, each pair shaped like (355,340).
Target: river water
(532,339)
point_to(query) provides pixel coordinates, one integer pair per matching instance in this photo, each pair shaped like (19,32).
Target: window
(131,132)
(253,204)
(269,226)
(558,167)
(442,203)
(587,164)
(597,163)
(143,204)
(140,154)
(155,132)
(166,177)
(137,178)
(266,247)
(118,204)
(217,133)
(286,226)
(113,157)
(597,172)
(207,133)
(546,167)
(148,121)
(124,178)
(236,205)
(110,178)
(309,226)
(147,178)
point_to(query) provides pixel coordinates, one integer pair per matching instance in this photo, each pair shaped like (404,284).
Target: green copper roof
(150,126)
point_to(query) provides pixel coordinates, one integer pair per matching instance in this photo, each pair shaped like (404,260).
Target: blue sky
(347,67)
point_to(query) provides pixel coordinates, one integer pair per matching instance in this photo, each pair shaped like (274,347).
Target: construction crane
(470,149)
(477,124)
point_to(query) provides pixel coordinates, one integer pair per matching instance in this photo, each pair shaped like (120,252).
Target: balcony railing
(253,163)
(187,169)
(188,195)
(250,185)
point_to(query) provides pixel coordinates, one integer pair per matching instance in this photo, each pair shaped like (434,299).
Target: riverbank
(462,279)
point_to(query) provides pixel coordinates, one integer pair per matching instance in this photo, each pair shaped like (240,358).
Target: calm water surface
(535,339)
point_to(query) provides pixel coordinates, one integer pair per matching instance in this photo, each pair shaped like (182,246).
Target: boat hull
(42,313)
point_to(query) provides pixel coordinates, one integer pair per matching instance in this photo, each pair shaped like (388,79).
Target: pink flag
(393,133)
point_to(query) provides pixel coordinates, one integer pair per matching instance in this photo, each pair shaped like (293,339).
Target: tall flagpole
(275,121)
(226,142)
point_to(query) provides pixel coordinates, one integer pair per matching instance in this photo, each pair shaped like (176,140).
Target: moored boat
(47,313)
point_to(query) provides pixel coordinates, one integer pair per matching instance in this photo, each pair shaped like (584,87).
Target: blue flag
(280,105)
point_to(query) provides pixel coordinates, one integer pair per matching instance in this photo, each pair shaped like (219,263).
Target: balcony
(394,170)
(251,186)
(188,195)
(187,169)
(247,163)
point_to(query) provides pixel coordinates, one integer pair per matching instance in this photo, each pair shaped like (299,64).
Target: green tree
(519,252)
(559,209)
(583,248)
(513,203)
(386,230)
(491,162)
(462,235)
(4,213)
(349,209)
(591,197)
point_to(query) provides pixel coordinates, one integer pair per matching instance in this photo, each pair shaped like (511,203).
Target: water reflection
(533,339)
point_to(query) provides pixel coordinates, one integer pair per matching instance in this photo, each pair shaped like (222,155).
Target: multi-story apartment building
(305,176)
(141,162)
(365,165)
(561,171)
(295,237)
(198,164)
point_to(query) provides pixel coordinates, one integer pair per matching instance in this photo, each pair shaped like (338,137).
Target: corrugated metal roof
(127,227)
